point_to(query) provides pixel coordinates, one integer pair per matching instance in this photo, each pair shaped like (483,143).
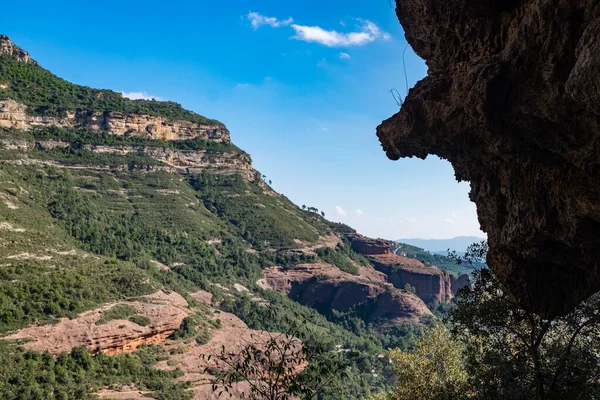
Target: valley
(136,239)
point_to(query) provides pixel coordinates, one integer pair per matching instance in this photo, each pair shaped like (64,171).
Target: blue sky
(300,85)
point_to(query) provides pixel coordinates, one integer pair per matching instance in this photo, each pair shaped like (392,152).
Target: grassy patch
(141,320)
(120,311)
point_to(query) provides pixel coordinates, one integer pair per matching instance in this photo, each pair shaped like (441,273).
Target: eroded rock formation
(7,47)
(512,101)
(166,311)
(14,115)
(326,287)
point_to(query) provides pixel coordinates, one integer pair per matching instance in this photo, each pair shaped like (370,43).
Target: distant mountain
(441,246)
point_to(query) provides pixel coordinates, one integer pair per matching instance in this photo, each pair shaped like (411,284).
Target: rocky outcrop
(173,160)
(8,48)
(512,101)
(14,115)
(457,283)
(367,246)
(166,311)
(430,283)
(325,287)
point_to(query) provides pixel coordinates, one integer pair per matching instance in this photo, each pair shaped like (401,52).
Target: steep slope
(107,203)
(511,100)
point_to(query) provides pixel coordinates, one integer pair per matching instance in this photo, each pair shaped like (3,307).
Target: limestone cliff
(7,47)
(14,115)
(511,100)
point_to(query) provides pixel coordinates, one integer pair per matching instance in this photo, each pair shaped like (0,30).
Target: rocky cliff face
(430,283)
(14,115)
(8,48)
(166,311)
(324,286)
(511,100)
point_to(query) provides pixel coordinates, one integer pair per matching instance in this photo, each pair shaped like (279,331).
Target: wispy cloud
(452,220)
(344,56)
(367,33)
(257,20)
(359,212)
(139,96)
(340,211)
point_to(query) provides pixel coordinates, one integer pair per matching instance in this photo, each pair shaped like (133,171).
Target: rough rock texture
(8,48)
(367,246)
(166,311)
(14,115)
(323,285)
(192,161)
(430,283)
(512,100)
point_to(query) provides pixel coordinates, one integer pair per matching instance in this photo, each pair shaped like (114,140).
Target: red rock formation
(326,286)
(430,283)
(367,246)
(166,311)
(458,283)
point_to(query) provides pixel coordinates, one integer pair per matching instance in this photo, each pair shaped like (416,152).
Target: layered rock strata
(14,115)
(166,311)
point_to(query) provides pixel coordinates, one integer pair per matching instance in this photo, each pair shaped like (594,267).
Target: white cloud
(344,56)
(412,220)
(453,219)
(258,20)
(368,33)
(322,63)
(243,85)
(340,211)
(139,96)
(359,212)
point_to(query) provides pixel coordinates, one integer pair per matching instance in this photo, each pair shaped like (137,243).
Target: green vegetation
(445,263)
(141,320)
(26,375)
(262,220)
(120,311)
(435,369)
(47,94)
(77,138)
(356,352)
(497,349)
(343,257)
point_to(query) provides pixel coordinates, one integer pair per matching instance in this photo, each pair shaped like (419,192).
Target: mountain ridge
(105,201)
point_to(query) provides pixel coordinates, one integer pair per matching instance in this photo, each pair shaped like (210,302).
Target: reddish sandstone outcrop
(326,286)
(166,311)
(431,283)
(367,246)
